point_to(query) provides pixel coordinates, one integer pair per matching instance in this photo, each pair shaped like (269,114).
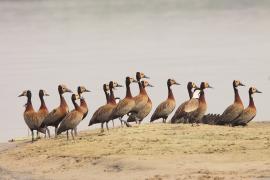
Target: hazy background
(44,43)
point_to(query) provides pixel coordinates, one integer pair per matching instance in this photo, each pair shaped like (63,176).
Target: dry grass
(222,149)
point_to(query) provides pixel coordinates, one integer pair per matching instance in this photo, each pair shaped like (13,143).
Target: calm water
(44,43)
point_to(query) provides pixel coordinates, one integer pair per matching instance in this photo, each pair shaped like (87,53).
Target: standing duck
(196,115)
(43,110)
(250,112)
(83,104)
(125,105)
(55,117)
(234,110)
(30,115)
(145,110)
(142,98)
(72,119)
(103,113)
(186,106)
(165,108)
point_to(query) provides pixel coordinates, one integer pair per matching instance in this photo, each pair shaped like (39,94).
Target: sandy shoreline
(151,151)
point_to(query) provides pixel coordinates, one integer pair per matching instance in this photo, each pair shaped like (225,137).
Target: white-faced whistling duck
(165,108)
(72,119)
(30,115)
(250,112)
(55,117)
(196,108)
(198,114)
(142,98)
(145,110)
(43,110)
(186,106)
(125,105)
(83,104)
(234,110)
(103,113)
(95,118)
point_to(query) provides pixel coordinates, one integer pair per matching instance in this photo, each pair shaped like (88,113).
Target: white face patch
(196,94)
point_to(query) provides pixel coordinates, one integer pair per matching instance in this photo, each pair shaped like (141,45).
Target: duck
(199,107)
(233,111)
(250,112)
(72,119)
(186,106)
(125,105)
(103,113)
(43,110)
(30,115)
(83,104)
(145,110)
(165,108)
(55,117)
(142,98)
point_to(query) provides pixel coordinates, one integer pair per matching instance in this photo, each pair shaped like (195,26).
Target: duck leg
(75,130)
(113,123)
(56,129)
(72,135)
(32,135)
(48,131)
(67,135)
(107,126)
(121,121)
(102,130)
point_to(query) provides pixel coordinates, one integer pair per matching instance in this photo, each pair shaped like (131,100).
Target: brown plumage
(142,98)
(72,119)
(186,106)
(43,110)
(125,105)
(249,113)
(98,113)
(145,110)
(55,117)
(165,108)
(83,104)
(30,116)
(234,110)
(199,106)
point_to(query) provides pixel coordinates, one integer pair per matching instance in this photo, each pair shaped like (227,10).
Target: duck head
(237,83)
(171,82)
(146,84)
(63,89)
(82,89)
(42,93)
(141,75)
(130,80)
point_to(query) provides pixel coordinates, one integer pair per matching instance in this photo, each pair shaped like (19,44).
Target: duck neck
(112,98)
(77,107)
(170,93)
(190,93)
(82,101)
(251,101)
(63,102)
(237,98)
(202,97)
(107,97)
(140,86)
(29,106)
(128,92)
(42,103)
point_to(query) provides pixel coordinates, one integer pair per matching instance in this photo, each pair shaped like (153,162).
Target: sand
(148,151)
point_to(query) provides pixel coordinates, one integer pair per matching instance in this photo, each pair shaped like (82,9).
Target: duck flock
(135,108)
